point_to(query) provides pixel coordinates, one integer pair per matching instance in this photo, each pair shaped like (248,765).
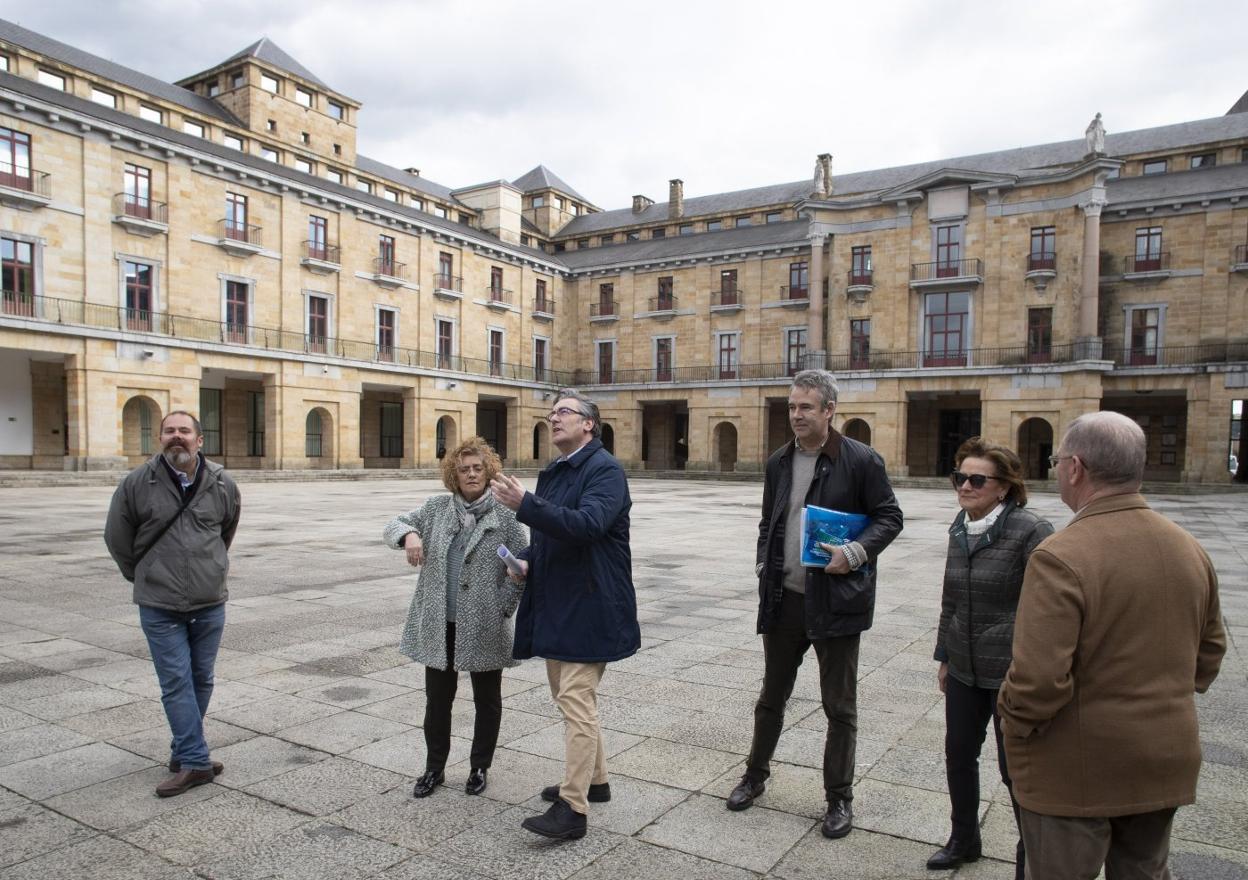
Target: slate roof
(110,71)
(269,52)
(684,246)
(397,175)
(542,177)
(1177,185)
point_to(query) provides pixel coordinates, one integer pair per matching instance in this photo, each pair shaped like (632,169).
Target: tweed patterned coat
(484,627)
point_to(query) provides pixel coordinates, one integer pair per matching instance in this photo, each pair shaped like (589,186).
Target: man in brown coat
(1117,625)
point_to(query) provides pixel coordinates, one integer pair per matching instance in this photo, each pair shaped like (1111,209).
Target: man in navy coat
(580,609)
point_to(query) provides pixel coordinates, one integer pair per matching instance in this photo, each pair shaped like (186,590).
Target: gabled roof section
(272,54)
(542,177)
(1240,106)
(111,71)
(947,177)
(684,247)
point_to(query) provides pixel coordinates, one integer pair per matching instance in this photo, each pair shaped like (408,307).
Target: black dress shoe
(175,766)
(839,820)
(742,797)
(427,783)
(560,822)
(598,794)
(476,781)
(954,853)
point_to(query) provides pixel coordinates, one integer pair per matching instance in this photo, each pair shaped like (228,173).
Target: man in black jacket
(828,608)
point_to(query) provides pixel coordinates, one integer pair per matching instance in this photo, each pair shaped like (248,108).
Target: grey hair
(199,429)
(1111,446)
(589,409)
(821,381)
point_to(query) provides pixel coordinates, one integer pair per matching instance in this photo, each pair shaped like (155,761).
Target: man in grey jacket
(169,526)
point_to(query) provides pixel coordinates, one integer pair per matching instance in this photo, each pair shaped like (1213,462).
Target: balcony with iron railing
(498,297)
(859,284)
(1143,267)
(727,299)
(388,272)
(1239,259)
(543,308)
(321,257)
(661,306)
(604,310)
(947,273)
(22,187)
(239,239)
(140,215)
(792,296)
(446,286)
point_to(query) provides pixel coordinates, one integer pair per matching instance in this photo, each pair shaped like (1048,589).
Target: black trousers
(487,697)
(967,712)
(784,647)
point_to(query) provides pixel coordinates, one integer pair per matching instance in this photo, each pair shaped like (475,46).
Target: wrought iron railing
(663,303)
(389,268)
(792,292)
(544,305)
(498,294)
(443,281)
(860,278)
(1154,262)
(1041,261)
(970,268)
(726,296)
(233,230)
(26,179)
(140,207)
(319,250)
(604,308)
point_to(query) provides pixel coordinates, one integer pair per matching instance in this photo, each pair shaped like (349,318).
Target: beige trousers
(1130,847)
(574,687)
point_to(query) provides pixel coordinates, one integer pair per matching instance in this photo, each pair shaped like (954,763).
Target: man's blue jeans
(184,651)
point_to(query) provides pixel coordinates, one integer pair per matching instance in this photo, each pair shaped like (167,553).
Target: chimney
(640,203)
(676,198)
(415,172)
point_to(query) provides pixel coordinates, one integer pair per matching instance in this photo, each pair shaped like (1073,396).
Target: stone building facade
(219,245)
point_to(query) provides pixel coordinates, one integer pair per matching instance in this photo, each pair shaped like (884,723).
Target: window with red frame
(539,298)
(727,355)
(137,186)
(794,349)
(1145,326)
(446,271)
(606,352)
(138,296)
(17,268)
(606,303)
(728,287)
(948,251)
(798,280)
(385,334)
(1039,335)
(1043,248)
(945,317)
(665,293)
(236,216)
(318,238)
(860,265)
(1148,249)
(663,360)
(385,255)
(446,344)
(539,359)
(318,324)
(496,282)
(236,307)
(15,159)
(859,343)
(496,352)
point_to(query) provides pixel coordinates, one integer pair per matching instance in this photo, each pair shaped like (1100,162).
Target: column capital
(1093,207)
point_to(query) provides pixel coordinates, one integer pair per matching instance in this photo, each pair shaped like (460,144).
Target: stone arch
(446,436)
(608,438)
(140,428)
(541,440)
(724,438)
(1035,445)
(318,438)
(857,429)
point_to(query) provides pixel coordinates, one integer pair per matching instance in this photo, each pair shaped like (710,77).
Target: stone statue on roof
(1095,135)
(823,175)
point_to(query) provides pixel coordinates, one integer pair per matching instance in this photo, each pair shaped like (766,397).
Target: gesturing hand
(508,491)
(414,548)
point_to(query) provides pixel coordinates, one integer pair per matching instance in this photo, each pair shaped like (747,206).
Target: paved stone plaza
(316,715)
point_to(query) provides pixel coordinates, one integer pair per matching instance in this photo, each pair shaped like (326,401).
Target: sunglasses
(977,481)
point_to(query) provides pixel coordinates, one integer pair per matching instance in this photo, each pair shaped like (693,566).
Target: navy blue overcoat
(580,605)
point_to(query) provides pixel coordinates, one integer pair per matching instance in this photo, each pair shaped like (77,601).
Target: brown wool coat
(1117,626)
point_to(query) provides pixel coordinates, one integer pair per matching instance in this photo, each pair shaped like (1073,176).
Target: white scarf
(979,526)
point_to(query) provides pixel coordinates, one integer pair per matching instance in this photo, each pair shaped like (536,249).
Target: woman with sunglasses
(460,619)
(989,543)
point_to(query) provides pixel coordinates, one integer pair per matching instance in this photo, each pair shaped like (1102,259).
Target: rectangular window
(236,216)
(1043,248)
(774,216)
(1039,335)
(269,83)
(303,97)
(236,311)
(860,343)
(632,235)
(303,165)
(137,186)
(658,232)
(17,276)
(255,423)
(798,280)
(539,201)
(728,356)
(742,222)
(232,141)
(540,359)
(4,63)
(560,203)
(193,128)
(418,203)
(606,300)
(946,316)
(606,362)
(210,419)
(213,88)
(385,256)
(318,238)
(446,272)
(390,195)
(860,265)
(1148,256)
(318,324)
(1204,160)
(606,239)
(714,225)
(51,80)
(439,211)
(1155,166)
(364,186)
(237,79)
(333,176)
(391,432)
(539,297)
(385,334)
(151,114)
(1145,329)
(728,295)
(106,99)
(665,300)
(496,352)
(948,251)
(336,110)
(15,169)
(794,349)
(663,359)
(582,243)
(496,282)
(270,154)
(138,296)
(685,229)
(445,343)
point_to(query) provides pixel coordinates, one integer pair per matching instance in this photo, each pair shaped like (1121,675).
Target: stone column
(1088,344)
(76,412)
(411,428)
(816,349)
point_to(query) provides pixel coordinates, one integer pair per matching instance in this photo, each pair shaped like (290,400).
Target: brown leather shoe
(175,765)
(183,781)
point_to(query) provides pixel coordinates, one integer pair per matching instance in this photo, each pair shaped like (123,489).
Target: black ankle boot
(955,853)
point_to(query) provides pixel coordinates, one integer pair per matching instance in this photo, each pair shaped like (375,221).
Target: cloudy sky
(619,97)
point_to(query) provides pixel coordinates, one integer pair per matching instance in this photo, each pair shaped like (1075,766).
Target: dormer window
(364,186)
(333,175)
(269,83)
(232,141)
(106,99)
(237,80)
(214,88)
(270,154)
(191,127)
(539,201)
(303,97)
(51,80)
(151,114)
(336,110)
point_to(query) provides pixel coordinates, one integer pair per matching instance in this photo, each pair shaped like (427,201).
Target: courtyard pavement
(316,715)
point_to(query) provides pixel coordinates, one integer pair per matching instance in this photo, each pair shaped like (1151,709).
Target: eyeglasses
(1054,459)
(563,411)
(977,481)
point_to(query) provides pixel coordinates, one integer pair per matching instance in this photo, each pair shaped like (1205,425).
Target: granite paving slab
(863,855)
(499,848)
(126,800)
(417,824)
(261,757)
(343,732)
(154,741)
(637,858)
(68,770)
(98,858)
(404,753)
(754,839)
(36,740)
(315,851)
(326,786)
(31,830)
(549,742)
(275,712)
(675,764)
(790,789)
